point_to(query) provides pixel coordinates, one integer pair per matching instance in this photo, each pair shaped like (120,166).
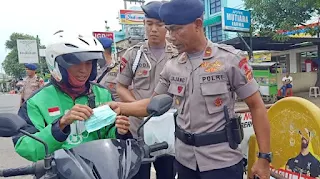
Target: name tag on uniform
(213,78)
(178,79)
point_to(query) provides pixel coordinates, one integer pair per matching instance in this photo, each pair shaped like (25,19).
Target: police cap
(181,12)
(151,9)
(105,42)
(30,66)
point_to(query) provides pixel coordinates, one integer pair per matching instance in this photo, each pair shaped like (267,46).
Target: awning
(267,43)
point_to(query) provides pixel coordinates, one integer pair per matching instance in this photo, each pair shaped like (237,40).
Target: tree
(273,15)
(11,63)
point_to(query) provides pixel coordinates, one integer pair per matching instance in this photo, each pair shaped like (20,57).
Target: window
(215,6)
(216,33)
(308,61)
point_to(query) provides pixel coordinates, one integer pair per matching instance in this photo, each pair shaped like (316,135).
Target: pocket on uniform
(142,82)
(216,95)
(178,91)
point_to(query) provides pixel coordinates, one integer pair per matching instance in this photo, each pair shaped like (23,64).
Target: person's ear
(199,24)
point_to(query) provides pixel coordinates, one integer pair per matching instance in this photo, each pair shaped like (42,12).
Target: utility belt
(232,133)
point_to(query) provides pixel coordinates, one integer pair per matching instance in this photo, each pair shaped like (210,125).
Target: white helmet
(67,49)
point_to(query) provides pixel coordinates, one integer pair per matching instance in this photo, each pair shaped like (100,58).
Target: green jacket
(42,112)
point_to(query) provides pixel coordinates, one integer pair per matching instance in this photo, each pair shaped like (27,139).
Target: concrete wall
(301,81)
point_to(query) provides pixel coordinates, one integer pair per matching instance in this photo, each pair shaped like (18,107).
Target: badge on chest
(143,73)
(210,67)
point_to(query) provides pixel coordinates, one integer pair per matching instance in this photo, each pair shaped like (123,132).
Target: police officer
(109,68)
(203,80)
(31,83)
(140,68)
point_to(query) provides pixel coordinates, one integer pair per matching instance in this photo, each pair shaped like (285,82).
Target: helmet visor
(67,60)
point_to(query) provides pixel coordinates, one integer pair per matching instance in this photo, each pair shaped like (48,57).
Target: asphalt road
(8,157)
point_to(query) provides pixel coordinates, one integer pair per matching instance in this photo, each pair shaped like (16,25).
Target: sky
(45,17)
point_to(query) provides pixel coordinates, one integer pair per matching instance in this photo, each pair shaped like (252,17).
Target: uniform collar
(207,54)
(208,51)
(183,58)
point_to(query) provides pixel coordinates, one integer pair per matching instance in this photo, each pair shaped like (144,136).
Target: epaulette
(135,47)
(138,45)
(229,48)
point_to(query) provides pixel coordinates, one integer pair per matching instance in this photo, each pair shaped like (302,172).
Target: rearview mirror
(10,124)
(159,104)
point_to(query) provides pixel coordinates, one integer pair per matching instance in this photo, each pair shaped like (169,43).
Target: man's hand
(114,106)
(261,169)
(122,124)
(77,112)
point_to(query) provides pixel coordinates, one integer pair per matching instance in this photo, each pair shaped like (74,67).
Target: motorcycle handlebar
(158,146)
(28,170)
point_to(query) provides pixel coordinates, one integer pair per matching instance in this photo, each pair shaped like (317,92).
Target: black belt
(202,139)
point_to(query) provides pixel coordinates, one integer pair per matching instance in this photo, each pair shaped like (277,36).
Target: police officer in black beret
(206,144)
(203,80)
(140,68)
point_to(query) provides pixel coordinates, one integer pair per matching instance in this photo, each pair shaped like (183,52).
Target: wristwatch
(267,156)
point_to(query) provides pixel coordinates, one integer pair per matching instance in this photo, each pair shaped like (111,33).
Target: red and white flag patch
(55,111)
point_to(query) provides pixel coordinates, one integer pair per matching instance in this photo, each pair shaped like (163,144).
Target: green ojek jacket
(42,112)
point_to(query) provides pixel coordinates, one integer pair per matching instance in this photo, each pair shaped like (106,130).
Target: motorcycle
(100,159)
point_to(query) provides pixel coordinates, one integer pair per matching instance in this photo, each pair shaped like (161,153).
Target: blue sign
(236,20)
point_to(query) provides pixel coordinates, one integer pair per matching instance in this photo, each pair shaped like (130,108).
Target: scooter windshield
(101,159)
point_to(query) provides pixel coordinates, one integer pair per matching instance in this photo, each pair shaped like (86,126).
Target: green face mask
(102,116)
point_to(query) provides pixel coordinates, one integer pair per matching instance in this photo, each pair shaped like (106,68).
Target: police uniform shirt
(144,80)
(109,80)
(307,165)
(31,85)
(201,88)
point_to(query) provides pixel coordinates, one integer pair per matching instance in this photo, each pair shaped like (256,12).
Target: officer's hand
(122,124)
(261,169)
(77,112)
(114,106)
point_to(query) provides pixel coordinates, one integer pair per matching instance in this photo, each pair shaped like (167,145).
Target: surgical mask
(102,116)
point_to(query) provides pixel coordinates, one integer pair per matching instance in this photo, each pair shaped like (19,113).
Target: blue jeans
(284,89)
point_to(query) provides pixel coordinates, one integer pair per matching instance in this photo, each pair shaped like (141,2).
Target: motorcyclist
(56,113)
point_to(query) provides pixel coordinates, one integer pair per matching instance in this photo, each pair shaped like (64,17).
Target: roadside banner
(295,141)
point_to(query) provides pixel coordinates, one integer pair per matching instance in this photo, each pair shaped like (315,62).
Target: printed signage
(131,17)
(246,123)
(103,34)
(295,129)
(236,20)
(27,51)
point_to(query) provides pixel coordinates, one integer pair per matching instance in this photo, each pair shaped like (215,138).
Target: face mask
(102,116)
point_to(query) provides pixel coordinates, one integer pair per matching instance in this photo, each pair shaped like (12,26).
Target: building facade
(212,18)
